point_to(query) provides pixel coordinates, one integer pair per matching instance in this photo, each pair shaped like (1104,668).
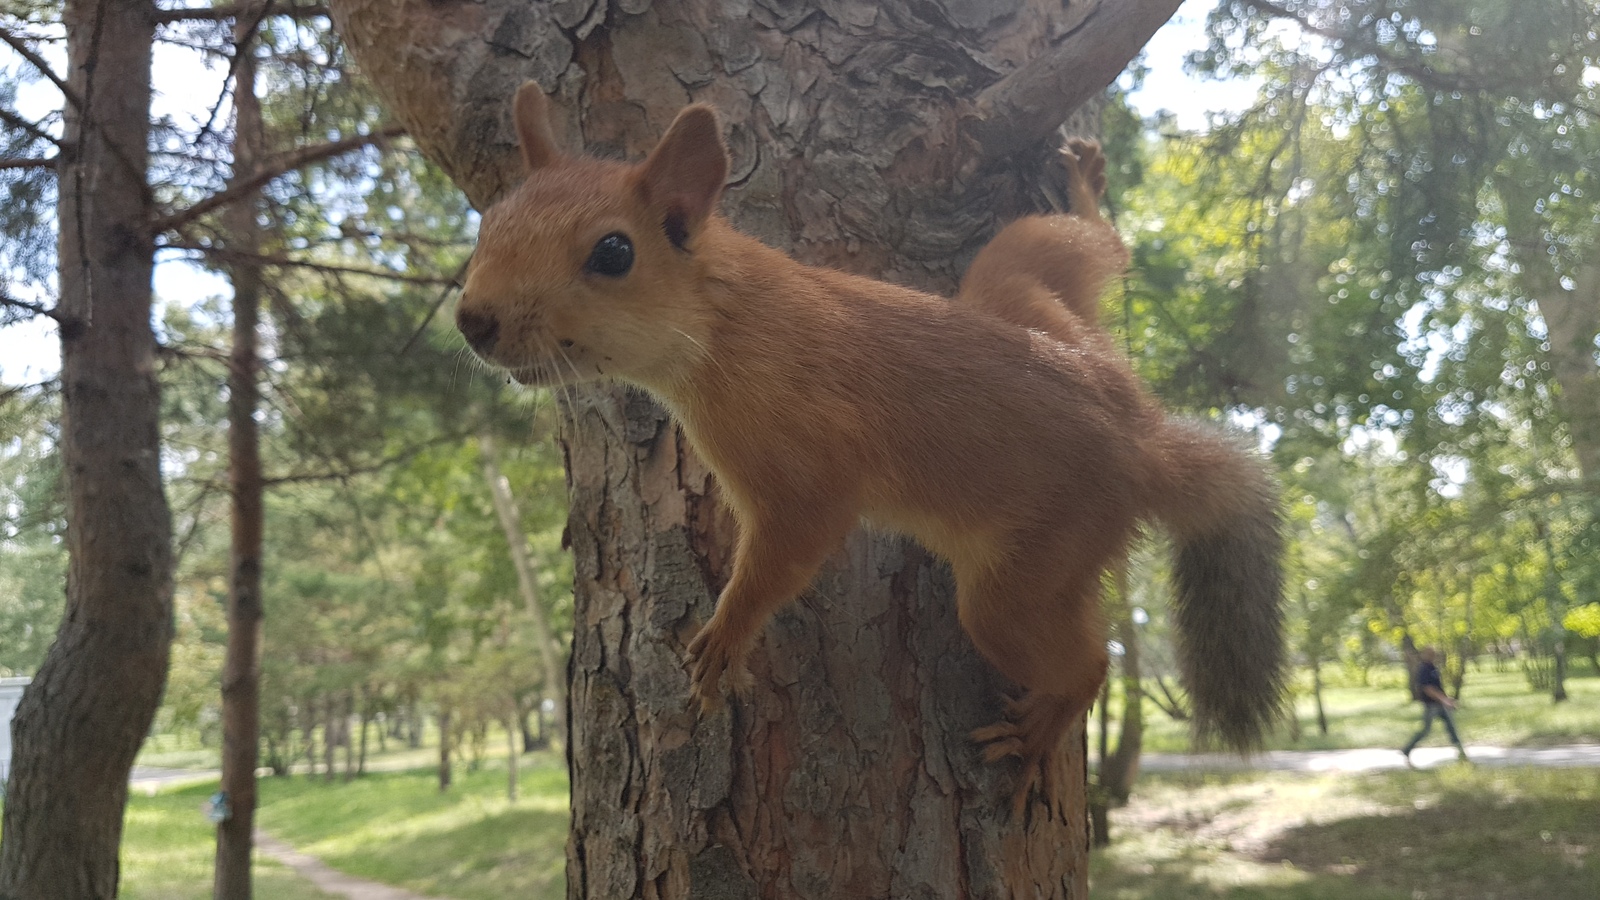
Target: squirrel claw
(711,663)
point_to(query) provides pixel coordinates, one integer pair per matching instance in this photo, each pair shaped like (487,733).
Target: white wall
(10,695)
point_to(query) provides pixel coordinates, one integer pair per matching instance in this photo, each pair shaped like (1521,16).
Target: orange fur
(1004,431)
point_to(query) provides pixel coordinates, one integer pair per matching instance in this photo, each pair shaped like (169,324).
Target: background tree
(66,791)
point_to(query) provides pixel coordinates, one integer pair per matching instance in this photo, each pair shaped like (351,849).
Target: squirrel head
(589,269)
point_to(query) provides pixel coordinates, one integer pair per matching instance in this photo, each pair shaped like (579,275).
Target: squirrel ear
(685,172)
(531,113)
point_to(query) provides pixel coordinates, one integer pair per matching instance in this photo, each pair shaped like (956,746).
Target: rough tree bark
(888,138)
(108,665)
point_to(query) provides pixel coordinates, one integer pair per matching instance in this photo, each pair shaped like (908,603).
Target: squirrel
(1003,430)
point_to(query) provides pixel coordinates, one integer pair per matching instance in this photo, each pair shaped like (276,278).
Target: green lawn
(1453,833)
(1497,708)
(470,843)
(397,828)
(168,847)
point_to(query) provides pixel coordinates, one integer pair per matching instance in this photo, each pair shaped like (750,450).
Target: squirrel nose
(479,329)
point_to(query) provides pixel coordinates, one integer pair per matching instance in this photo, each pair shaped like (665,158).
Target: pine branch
(34,308)
(1022,110)
(32,128)
(271,169)
(38,62)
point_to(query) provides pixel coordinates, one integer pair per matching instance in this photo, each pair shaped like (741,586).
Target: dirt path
(330,880)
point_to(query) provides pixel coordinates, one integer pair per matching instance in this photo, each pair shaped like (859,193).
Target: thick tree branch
(224,11)
(1015,114)
(38,62)
(273,168)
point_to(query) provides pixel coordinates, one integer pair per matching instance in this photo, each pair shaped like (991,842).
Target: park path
(328,879)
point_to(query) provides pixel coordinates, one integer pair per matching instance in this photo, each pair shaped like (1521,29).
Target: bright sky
(186,89)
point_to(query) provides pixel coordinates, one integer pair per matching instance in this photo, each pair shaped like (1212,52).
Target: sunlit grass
(1457,832)
(168,848)
(470,843)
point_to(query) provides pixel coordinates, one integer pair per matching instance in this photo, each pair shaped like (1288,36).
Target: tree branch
(25,162)
(273,168)
(21,124)
(233,10)
(1018,112)
(275,259)
(34,308)
(38,62)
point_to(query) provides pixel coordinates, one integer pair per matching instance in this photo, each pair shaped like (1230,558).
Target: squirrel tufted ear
(531,113)
(686,171)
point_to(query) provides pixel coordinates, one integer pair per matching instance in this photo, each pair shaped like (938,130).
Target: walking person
(1436,704)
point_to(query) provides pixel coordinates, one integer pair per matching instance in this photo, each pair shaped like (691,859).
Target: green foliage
(32,564)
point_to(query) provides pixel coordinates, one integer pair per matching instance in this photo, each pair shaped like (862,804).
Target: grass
(1453,831)
(1457,832)
(168,849)
(1497,708)
(470,843)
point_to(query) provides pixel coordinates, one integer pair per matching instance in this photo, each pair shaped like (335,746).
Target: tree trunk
(311,736)
(330,739)
(81,721)
(241,666)
(512,759)
(444,750)
(1316,692)
(505,507)
(887,138)
(1119,771)
(364,720)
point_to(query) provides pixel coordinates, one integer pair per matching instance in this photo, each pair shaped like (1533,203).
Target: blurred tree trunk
(505,507)
(886,138)
(241,666)
(444,750)
(1122,767)
(81,721)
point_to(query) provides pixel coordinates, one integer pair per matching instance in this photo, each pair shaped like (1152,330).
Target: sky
(186,90)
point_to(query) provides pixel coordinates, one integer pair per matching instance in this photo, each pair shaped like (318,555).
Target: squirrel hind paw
(1084,159)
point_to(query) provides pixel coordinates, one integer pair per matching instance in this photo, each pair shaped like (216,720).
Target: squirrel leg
(1086,176)
(773,562)
(1046,635)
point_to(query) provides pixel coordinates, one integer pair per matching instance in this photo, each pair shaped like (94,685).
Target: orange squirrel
(1025,456)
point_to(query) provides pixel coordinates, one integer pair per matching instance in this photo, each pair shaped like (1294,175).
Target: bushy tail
(1221,509)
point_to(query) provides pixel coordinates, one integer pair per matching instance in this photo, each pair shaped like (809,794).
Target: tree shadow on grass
(1458,846)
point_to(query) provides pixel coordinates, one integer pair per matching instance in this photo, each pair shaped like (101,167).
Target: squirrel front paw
(715,658)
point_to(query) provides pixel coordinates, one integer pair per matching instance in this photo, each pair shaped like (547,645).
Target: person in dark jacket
(1436,704)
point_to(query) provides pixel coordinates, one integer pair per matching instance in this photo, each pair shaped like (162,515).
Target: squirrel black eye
(612,256)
